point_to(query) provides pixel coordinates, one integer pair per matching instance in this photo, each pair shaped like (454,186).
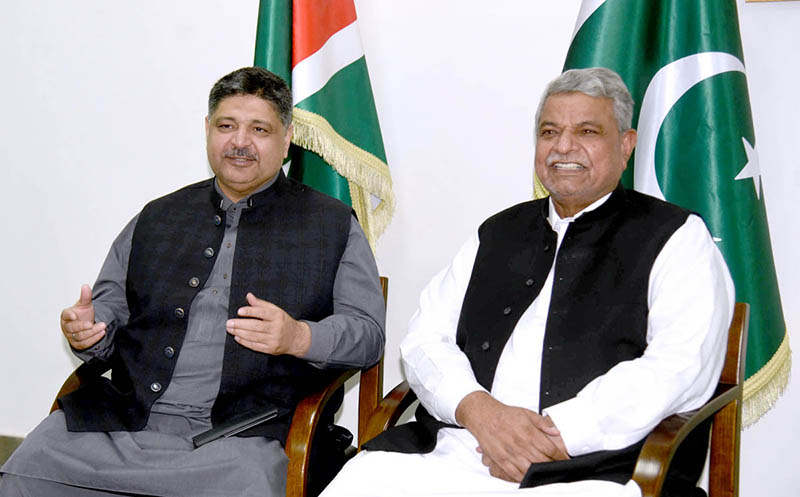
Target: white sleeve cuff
(579,432)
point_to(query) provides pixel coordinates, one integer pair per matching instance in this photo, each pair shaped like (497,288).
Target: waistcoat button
(155,387)
(179,313)
(209,253)
(485,346)
(217,220)
(194,282)
(507,311)
(169,352)
(529,282)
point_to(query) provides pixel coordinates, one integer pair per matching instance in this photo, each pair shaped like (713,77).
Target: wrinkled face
(580,153)
(246,144)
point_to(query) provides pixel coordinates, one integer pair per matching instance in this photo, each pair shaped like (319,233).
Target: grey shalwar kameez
(161,459)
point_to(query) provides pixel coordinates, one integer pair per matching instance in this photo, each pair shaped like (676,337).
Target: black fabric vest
(288,247)
(597,316)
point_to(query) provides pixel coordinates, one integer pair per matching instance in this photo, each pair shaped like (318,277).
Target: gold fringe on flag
(539,191)
(366,174)
(763,389)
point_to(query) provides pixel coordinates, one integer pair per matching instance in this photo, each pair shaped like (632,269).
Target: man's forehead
(251,106)
(576,107)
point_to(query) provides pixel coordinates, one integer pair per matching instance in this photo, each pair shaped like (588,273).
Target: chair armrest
(389,410)
(302,430)
(71,384)
(662,443)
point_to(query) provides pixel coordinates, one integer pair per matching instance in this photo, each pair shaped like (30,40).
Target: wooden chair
(726,408)
(651,467)
(306,418)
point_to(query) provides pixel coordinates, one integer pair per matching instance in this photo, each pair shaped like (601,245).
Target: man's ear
(288,140)
(208,125)
(628,143)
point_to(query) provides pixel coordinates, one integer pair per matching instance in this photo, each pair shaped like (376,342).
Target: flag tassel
(369,173)
(763,388)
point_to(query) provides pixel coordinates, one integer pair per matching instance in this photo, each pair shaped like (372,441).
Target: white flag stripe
(587,9)
(668,85)
(313,72)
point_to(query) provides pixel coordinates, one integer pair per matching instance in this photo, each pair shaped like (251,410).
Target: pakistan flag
(682,61)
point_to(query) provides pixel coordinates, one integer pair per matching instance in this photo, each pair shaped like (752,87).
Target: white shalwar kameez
(690,300)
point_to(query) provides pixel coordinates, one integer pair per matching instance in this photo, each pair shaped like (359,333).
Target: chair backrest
(723,473)
(370,390)
(726,409)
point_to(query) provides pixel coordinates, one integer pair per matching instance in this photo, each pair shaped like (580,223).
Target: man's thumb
(86,295)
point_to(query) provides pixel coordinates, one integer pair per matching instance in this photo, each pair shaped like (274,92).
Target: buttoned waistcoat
(596,319)
(289,243)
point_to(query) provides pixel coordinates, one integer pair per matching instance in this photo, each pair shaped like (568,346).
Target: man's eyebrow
(261,122)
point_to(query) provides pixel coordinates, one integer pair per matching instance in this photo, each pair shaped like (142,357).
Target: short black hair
(254,81)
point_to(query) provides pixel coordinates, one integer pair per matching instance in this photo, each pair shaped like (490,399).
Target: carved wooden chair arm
(70,385)
(662,443)
(301,432)
(388,412)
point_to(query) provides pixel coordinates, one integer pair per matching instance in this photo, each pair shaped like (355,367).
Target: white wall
(103,110)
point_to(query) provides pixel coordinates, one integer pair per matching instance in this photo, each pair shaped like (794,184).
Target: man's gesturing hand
(77,322)
(510,438)
(265,327)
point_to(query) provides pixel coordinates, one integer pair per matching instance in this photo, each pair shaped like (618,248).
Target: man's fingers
(257,302)
(541,447)
(253,334)
(254,345)
(548,434)
(249,329)
(87,342)
(258,312)
(260,309)
(68,315)
(82,310)
(79,333)
(508,470)
(85,338)
(77,326)
(550,450)
(247,325)
(546,424)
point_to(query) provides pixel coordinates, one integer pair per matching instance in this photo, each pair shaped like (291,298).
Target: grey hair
(258,82)
(595,82)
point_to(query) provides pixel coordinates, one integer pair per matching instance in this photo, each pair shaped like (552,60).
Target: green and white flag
(337,146)
(682,61)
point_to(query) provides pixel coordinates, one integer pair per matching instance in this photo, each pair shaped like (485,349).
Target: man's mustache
(240,153)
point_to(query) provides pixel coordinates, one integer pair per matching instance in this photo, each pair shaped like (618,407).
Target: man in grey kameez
(248,135)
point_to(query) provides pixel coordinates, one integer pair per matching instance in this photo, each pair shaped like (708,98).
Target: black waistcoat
(598,308)
(288,247)
(597,316)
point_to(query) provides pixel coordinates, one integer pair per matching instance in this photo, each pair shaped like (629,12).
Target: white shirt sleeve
(437,370)
(691,297)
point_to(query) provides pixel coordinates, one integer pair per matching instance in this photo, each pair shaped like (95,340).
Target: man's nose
(565,142)
(241,138)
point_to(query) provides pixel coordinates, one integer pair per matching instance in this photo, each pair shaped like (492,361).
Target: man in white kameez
(563,330)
